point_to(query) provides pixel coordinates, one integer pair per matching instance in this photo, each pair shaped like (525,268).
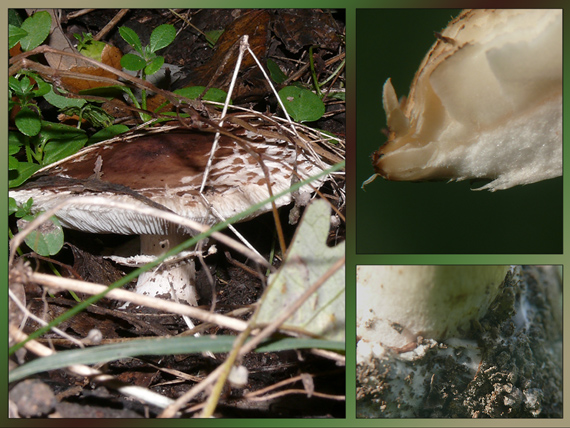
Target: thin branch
(78,13)
(40,321)
(273,387)
(138,299)
(111,24)
(297,391)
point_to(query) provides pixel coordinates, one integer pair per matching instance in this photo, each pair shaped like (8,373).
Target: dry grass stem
(95,375)
(28,314)
(297,391)
(138,299)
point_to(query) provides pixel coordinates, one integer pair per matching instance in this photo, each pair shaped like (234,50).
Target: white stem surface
(396,304)
(174,281)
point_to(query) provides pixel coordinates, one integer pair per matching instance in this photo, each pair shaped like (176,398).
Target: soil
(60,394)
(508,365)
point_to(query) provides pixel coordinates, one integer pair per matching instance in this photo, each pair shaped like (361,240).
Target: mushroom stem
(175,281)
(396,304)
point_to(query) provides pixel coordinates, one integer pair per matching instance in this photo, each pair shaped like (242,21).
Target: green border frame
(352,258)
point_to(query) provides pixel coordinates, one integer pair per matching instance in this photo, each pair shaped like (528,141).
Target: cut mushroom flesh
(167,169)
(486,102)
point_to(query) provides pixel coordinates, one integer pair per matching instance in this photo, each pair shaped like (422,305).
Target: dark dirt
(235,287)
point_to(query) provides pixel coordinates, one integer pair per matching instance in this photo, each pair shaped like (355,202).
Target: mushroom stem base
(172,282)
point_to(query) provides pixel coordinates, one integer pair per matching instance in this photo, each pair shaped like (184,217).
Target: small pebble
(33,398)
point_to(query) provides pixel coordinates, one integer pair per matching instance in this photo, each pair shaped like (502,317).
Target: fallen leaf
(309,258)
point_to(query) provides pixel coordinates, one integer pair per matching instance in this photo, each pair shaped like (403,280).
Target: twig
(138,299)
(78,13)
(111,24)
(340,359)
(247,347)
(171,410)
(297,391)
(40,321)
(272,387)
(96,376)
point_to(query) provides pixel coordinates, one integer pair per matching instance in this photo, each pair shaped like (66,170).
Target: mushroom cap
(167,169)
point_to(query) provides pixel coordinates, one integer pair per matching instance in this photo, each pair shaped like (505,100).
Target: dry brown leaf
(110,56)
(255,24)
(299,28)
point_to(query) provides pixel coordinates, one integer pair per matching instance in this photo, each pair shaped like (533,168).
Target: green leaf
(12,163)
(14,18)
(15,86)
(337,96)
(60,101)
(109,92)
(133,62)
(26,85)
(47,239)
(159,346)
(58,149)
(161,36)
(131,38)
(38,27)
(24,209)
(275,72)
(107,133)
(306,261)
(14,35)
(89,47)
(22,88)
(59,131)
(301,104)
(60,141)
(193,92)
(12,206)
(97,116)
(213,36)
(15,142)
(154,66)
(43,86)
(28,122)
(19,176)
(94,114)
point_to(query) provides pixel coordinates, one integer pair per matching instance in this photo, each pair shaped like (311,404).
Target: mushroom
(501,366)
(397,304)
(166,170)
(485,103)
